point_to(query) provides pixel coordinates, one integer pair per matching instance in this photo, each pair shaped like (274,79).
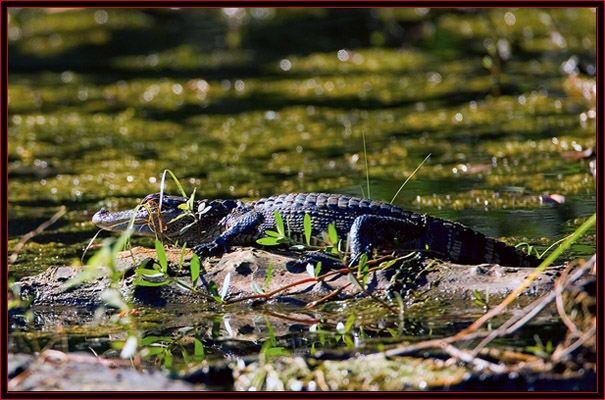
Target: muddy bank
(247,266)
(57,371)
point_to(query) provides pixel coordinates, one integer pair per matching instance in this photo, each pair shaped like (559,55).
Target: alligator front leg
(242,225)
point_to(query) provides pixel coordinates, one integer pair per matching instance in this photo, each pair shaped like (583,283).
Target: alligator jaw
(118,221)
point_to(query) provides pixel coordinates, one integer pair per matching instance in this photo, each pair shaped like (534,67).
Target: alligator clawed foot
(327,260)
(208,250)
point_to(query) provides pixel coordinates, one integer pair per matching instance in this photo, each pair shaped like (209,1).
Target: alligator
(211,227)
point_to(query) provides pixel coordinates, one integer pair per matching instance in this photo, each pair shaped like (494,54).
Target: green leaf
(147,271)
(256,288)
(350,322)
(114,298)
(272,338)
(183,255)
(478,298)
(317,269)
(182,215)
(216,325)
(150,284)
(268,241)
(168,359)
(307,226)
(147,340)
(198,352)
(144,262)
(363,260)
(269,275)
(388,264)
(90,273)
(271,233)
(275,352)
(152,351)
(354,281)
(332,234)
(194,267)
(348,341)
(187,227)
(279,224)
(191,200)
(213,288)
(159,248)
(185,356)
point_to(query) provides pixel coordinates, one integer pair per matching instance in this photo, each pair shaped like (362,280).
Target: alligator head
(200,224)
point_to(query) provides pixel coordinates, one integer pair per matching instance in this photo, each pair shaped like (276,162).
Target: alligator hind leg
(370,231)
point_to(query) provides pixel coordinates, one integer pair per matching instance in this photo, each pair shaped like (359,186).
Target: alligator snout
(98,217)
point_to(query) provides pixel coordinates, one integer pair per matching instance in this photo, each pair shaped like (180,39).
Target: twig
(559,300)
(508,327)
(35,232)
(512,324)
(472,359)
(305,321)
(328,296)
(527,281)
(558,355)
(429,344)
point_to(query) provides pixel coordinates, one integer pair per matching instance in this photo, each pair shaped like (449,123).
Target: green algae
(101,102)
(356,374)
(294,123)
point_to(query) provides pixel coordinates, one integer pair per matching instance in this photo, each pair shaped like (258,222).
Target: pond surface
(247,103)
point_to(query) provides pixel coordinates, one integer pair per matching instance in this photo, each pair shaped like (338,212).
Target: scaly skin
(369,224)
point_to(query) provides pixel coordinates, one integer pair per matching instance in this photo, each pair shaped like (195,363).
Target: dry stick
(559,300)
(306,321)
(527,313)
(530,311)
(472,359)
(33,233)
(328,296)
(428,344)
(558,355)
(527,281)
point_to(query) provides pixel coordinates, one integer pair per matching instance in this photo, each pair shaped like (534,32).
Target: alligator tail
(466,246)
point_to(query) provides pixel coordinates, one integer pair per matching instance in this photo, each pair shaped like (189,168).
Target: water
(248,103)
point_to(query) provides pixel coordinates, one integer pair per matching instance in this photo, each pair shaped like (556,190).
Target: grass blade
(307,226)
(194,266)
(409,177)
(269,274)
(159,248)
(279,224)
(365,153)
